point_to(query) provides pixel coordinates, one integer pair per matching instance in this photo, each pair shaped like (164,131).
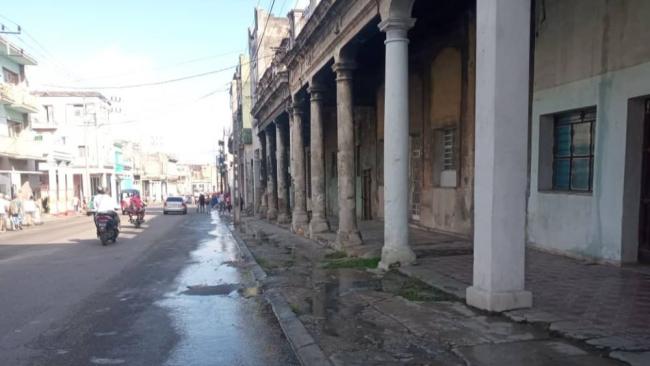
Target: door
(367,190)
(644,225)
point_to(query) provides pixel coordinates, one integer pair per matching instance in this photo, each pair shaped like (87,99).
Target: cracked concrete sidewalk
(358,316)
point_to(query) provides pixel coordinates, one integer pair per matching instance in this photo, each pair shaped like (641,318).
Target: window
(10,77)
(49,113)
(573,150)
(82,151)
(448,144)
(445,157)
(78,110)
(14,128)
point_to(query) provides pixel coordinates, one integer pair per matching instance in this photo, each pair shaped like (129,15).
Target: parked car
(175,204)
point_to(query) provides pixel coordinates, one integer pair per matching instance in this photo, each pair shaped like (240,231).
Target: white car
(175,204)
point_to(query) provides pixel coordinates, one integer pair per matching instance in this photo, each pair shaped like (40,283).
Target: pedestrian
(201,202)
(75,204)
(29,210)
(15,213)
(4,209)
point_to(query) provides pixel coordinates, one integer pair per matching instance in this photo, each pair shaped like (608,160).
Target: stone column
(300,220)
(502,82)
(281,158)
(113,191)
(348,233)
(271,193)
(396,143)
(52,188)
(318,223)
(258,183)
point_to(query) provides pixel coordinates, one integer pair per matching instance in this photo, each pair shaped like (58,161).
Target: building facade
(22,149)
(509,122)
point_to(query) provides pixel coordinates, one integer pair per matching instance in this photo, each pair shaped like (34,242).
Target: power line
(155,83)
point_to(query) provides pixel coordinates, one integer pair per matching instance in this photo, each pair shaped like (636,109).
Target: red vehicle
(125,199)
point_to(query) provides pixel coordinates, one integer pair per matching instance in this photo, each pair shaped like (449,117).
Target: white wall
(589,225)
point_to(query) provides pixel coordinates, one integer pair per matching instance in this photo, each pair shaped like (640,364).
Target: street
(173,292)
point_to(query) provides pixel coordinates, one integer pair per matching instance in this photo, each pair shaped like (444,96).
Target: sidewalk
(359,317)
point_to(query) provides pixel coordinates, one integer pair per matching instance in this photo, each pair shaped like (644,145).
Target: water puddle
(205,290)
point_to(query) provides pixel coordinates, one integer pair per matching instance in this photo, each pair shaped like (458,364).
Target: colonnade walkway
(605,305)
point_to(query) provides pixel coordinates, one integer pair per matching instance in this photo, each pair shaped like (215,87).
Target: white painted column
(114,188)
(85,184)
(61,188)
(69,187)
(396,144)
(502,82)
(52,188)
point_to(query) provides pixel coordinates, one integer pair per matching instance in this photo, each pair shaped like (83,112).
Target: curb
(303,344)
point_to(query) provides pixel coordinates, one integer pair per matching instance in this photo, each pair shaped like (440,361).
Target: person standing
(15,212)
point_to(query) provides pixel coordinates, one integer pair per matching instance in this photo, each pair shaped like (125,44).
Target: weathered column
(281,158)
(502,82)
(260,176)
(396,248)
(300,220)
(348,233)
(318,223)
(271,193)
(113,191)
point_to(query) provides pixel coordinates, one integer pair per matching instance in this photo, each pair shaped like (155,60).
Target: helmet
(100,190)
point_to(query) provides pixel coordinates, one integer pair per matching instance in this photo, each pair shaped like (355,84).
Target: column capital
(316,91)
(396,24)
(344,69)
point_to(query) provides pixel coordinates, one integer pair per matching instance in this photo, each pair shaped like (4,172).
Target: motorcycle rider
(103,203)
(136,205)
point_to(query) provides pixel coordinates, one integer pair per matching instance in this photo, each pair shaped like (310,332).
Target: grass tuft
(359,263)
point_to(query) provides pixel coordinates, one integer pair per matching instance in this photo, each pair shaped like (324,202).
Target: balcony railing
(17,97)
(23,147)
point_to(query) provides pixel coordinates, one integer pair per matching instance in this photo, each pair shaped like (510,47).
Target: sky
(101,45)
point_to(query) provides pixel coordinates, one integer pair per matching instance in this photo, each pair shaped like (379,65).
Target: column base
(402,255)
(271,214)
(317,226)
(498,301)
(300,223)
(345,239)
(283,218)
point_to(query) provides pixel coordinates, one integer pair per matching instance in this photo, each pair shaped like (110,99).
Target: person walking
(4,210)
(201,202)
(29,210)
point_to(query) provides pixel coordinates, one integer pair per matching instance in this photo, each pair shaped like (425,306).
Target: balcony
(23,147)
(18,98)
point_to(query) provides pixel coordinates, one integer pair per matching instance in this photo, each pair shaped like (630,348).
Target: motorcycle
(107,228)
(136,218)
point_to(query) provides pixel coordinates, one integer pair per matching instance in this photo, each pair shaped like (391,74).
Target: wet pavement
(359,316)
(184,298)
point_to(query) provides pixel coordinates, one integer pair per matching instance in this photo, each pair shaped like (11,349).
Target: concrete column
(396,248)
(318,223)
(113,192)
(348,233)
(87,191)
(502,81)
(263,170)
(300,220)
(271,193)
(53,189)
(61,174)
(69,190)
(281,158)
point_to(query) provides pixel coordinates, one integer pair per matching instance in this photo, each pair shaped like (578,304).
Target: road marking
(106,361)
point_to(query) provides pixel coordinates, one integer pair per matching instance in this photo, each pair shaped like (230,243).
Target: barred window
(573,150)
(448,147)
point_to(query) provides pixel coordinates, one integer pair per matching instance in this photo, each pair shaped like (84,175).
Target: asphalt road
(170,293)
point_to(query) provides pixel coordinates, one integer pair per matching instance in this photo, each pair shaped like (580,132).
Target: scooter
(136,218)
(107,228)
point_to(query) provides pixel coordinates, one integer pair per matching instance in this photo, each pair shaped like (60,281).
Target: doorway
(366,194)
(644,215)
